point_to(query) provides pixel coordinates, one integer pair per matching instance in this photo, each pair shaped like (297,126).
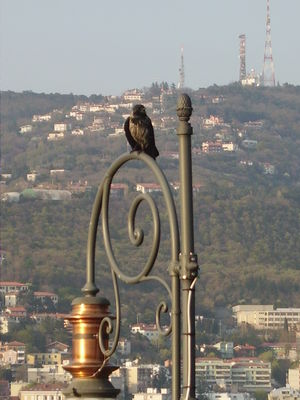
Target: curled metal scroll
(136,236)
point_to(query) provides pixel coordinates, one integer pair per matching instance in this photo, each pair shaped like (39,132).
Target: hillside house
(212,121)
(149,330)
(55,136)
(118,190)
(41,118)
(25,129)
(7,287)
(61,127)
(77,132)
(134,95)
(148,187)
(12,353)
(212,147)
(46,295)
(11,299)
(31,177)
(57,347)
(229,146)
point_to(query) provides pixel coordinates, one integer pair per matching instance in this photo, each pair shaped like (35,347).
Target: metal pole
(188,260)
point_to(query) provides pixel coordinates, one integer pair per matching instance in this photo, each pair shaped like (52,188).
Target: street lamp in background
(91,320)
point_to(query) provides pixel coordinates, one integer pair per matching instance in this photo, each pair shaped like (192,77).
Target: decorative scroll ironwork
(136,236)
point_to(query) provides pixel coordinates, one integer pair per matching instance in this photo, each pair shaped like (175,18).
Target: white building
(249,374)
(293,378)
(133,95)
(269,169)
(229,146)
(54,172)
(148,187)
(149,330)
(228,396)
(96,108)
(139,377)
(46,295)
(7,321)
(284,393)
(225,349)
(6,287)
(252,79)
(249,144)
(62,127)
(77,132)
(153,394)
(25,128)
(212,121)
(11,299)
(43,391)
(32,176)
(12,353)
(41,118)
(55,136)
(6,176)
(265,316)
(48,373)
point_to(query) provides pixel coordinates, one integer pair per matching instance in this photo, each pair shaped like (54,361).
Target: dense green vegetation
(247,224)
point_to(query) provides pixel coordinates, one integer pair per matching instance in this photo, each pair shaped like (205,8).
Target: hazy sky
(108,46)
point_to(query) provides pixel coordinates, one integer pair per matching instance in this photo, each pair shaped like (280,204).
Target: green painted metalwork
(183,267)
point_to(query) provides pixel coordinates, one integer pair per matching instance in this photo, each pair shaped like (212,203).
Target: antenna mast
(242,56)
(181,72)
(268,75)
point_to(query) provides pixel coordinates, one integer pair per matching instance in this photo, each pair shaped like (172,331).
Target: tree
(279,370)
(5,374)
(260,395)
(161,379)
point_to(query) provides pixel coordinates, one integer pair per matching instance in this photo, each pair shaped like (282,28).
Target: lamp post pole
(187,259)
(91,320)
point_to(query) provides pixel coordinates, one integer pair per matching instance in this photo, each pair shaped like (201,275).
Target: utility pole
(242,56)
(268,75)
(181,71)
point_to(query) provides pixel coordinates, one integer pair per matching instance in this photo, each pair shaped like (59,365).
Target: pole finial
(184,107)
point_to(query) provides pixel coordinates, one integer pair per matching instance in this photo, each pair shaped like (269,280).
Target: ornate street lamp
(90,318)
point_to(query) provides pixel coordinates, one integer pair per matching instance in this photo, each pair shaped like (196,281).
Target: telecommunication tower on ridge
(268,75)
(242,38)
(181,71)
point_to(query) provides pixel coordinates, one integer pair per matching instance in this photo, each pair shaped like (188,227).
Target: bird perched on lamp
(139,131)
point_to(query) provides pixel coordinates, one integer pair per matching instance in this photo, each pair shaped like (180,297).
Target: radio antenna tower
(242,56)
(181,72)
(268,75)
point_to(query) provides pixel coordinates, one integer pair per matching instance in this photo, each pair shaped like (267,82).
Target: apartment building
(46,295)
(12,353)
(266,316)
(39,391)
(212,147)
(245,374)
(284,393)
(140,377)
(44,359)
(149,330)
(293,378)
(7,287)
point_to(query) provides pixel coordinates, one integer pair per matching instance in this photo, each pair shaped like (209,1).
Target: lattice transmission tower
(268,75)
(242,56)
(181,71)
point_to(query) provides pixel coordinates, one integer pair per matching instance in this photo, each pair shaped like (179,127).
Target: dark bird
(139,131)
